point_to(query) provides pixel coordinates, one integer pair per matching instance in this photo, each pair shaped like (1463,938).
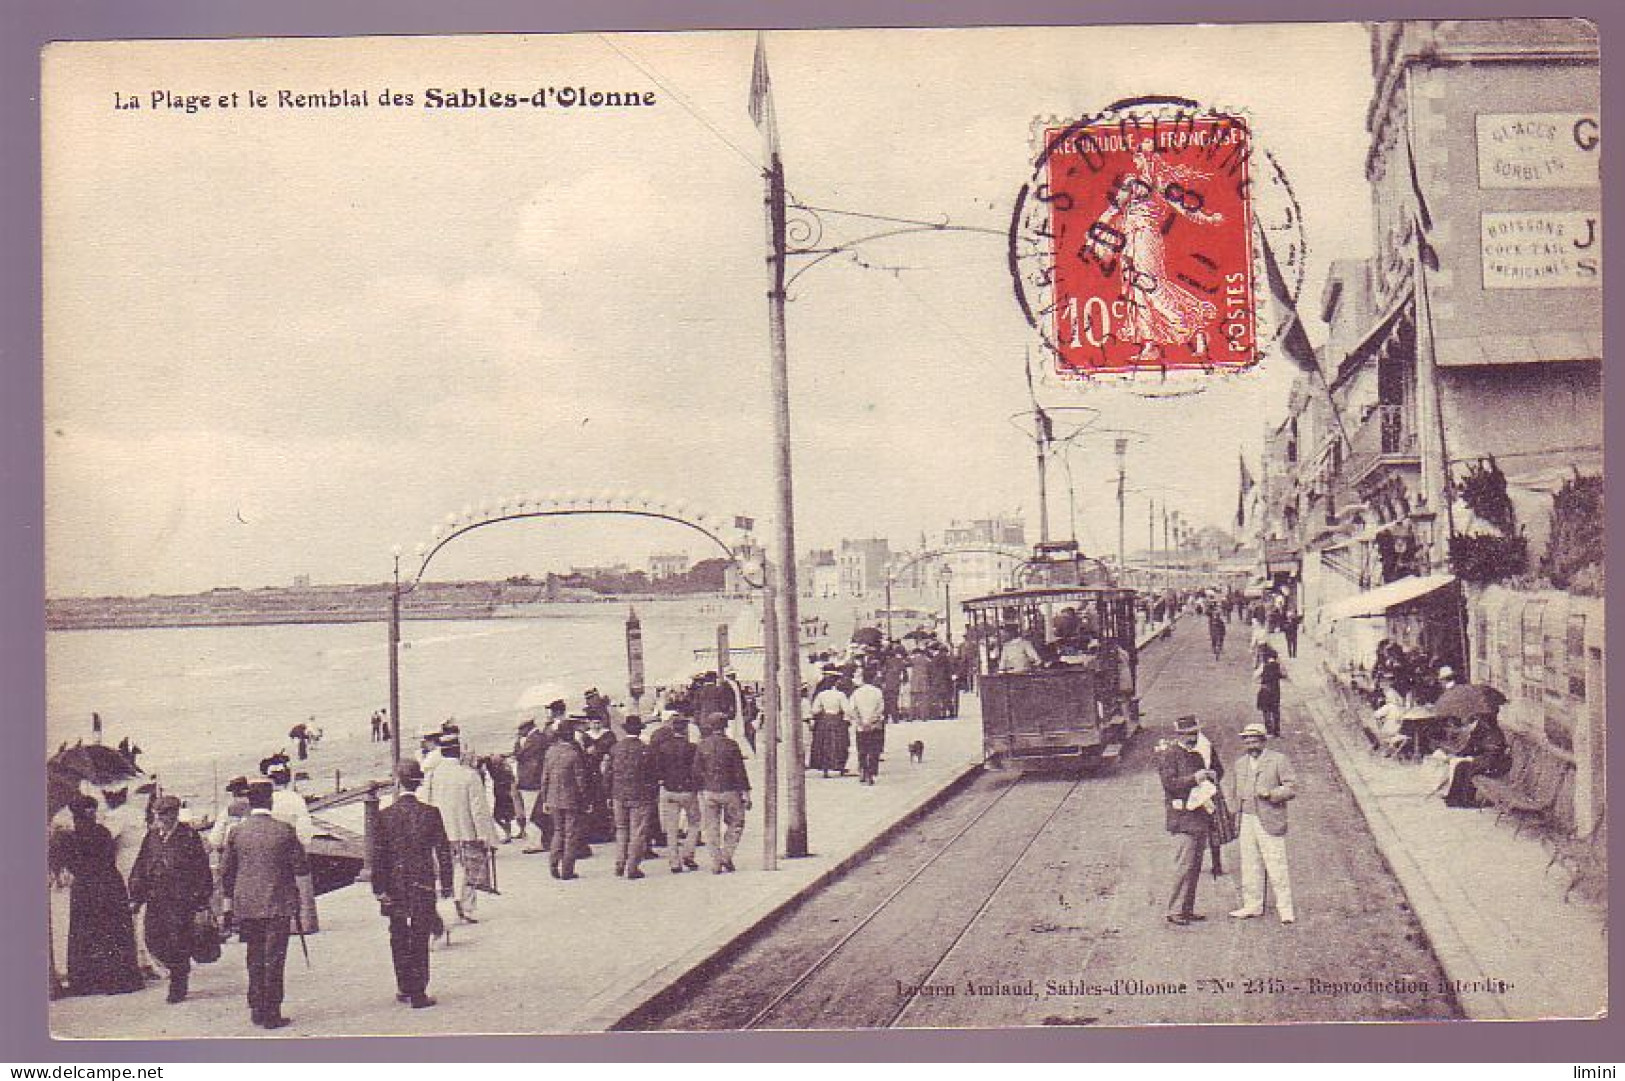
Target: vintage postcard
(845,529)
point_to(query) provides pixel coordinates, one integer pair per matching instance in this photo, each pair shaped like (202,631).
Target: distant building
(820,574)
(668,565)
(301,581)
(998,530)
(978,573)
(614,570)
(862,566)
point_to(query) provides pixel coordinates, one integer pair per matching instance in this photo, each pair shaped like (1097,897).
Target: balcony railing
(1386,436)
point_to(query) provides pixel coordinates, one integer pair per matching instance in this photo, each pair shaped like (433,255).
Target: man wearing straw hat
(1264,784)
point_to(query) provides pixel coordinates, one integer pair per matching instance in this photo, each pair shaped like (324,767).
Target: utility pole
(395,668)
(1150,543)
(784,580)
(1122,537)
(767,740)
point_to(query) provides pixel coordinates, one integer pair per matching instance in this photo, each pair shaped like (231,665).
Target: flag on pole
(761,88)
(1244,489)
(1422,219)
(1293,338)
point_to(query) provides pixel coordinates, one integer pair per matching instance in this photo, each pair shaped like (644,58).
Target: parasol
(93,764)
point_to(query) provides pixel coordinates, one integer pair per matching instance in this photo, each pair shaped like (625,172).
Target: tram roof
(1039,594)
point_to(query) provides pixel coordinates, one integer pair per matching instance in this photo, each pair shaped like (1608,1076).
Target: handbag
(205,938)
(1225,828)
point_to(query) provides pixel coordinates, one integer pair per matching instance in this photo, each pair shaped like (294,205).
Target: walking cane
(299,928)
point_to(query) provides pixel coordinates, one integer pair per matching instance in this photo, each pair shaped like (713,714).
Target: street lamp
(946,573)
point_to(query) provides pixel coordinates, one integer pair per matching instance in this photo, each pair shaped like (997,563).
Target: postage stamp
(1145,244)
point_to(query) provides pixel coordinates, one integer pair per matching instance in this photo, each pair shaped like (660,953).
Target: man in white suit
(1264,784)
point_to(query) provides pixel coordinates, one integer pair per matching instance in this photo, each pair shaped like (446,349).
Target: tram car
(1057,667)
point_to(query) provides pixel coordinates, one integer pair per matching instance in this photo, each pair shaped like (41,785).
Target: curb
(676,977)
(1452,949)
(619,1013)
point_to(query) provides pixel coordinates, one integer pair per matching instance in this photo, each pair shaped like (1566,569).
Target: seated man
(1484,753)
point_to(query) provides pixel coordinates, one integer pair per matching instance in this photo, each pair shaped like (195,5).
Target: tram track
(1036,900)
(901,897)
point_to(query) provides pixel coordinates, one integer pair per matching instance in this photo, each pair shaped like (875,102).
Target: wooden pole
(767,740)
(789,674)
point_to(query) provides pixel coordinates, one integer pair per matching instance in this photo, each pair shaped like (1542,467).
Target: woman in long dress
(101,931)
(830,742)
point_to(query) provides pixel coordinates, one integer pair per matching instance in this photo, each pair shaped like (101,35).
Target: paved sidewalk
(1494,916)
(548,956)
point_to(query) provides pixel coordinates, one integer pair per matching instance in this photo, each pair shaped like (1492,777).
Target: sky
(280,342)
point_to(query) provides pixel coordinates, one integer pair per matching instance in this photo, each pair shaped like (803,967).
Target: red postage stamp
(1137,244)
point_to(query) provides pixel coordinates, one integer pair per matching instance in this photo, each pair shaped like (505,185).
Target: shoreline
(139,616)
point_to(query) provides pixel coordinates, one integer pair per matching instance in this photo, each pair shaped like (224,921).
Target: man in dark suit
(411,844)
(634,791)
(259,872)
(1184,775)
(563,797)
(172,879)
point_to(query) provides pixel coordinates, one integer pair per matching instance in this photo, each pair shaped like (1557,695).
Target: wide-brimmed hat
(1255,729)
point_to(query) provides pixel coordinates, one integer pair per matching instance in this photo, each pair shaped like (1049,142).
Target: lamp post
(947,576)
(1122,543)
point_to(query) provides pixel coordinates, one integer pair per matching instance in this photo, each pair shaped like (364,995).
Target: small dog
(916,751)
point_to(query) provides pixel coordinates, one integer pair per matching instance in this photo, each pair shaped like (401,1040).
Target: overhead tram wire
(683,103)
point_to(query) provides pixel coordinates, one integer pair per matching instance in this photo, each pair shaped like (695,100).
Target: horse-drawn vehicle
(1057,669)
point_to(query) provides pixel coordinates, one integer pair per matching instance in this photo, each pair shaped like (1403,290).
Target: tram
(1057,665)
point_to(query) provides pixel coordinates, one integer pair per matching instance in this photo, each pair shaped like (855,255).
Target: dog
(916,751)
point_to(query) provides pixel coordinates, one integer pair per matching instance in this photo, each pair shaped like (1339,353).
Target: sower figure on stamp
(1264,784)
(412,848)
(260,871)
(1185,782)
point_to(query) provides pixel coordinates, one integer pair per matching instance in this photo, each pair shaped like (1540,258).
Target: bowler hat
(166,803)
(409,771)
(557,706)
(632,726)
(1187,725)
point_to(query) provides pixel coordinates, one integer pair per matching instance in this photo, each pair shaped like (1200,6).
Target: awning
(1375,602)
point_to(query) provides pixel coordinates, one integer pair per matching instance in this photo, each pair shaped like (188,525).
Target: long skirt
(101,939)
(830,743)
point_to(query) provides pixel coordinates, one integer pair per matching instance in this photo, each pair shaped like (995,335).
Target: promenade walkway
(546,956)
(1494,915)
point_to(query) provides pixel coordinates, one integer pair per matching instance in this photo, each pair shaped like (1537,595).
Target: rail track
(1018,814)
